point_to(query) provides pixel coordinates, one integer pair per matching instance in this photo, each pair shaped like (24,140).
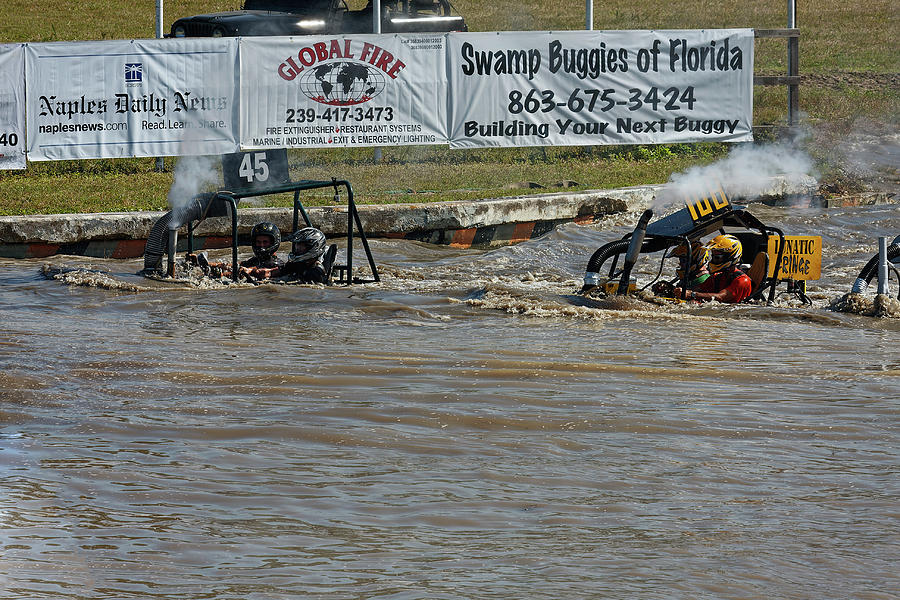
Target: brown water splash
(878,306)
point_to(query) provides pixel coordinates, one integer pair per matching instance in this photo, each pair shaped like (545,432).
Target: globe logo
(342,83)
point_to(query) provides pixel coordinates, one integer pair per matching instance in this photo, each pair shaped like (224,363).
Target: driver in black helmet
(305,264)
(265,238)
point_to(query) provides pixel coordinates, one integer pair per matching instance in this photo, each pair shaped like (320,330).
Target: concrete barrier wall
(471,223)
(477,223)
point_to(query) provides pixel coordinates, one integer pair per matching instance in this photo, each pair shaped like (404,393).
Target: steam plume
(193,174)
(748,171)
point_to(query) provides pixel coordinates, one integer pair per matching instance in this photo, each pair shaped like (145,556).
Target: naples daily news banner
(348,91)
(601,87)
(113,99)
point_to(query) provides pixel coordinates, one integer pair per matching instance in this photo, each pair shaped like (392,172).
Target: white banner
(116,99)
(345,91)
(600,87)
(12,106)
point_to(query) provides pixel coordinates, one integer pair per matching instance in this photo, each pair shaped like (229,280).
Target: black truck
(308,17)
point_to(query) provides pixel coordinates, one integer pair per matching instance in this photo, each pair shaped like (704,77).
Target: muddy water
(460,431)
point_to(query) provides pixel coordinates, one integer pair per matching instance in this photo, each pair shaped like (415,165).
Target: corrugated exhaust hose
(198,208)
(871,269)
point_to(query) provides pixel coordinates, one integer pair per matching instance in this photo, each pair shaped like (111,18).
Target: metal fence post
(882,266)
(160,161)
(589,15)
(376,16)
(793,64)
(376,28)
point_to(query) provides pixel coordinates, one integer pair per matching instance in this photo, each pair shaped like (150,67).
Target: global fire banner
(12,106)
(122,98)
(600,87)
(343,91)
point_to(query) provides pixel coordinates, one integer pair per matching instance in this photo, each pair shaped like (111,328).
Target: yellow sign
(612,287)
(703,207)
(802,258)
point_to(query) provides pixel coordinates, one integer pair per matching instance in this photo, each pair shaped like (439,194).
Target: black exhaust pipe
(634,249)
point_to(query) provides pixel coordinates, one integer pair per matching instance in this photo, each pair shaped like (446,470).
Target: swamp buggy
(770,256)
(163,239)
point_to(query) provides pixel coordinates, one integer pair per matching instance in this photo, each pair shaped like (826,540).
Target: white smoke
(749,171)
(193,175)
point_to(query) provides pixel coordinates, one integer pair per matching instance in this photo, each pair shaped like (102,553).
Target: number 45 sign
(250,171)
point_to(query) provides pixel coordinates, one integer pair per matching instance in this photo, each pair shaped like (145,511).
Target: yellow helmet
(725,251)
(699,258)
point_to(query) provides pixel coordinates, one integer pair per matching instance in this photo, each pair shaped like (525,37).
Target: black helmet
(307,244)
(270,230)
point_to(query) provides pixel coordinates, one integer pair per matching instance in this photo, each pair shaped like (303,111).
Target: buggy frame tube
(615,258)
(298,210)
(774,284)
(362,235)
(349,246)
(689,255)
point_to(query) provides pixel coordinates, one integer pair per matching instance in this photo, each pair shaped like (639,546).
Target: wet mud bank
(464,224)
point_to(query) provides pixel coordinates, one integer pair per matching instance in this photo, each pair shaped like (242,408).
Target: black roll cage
(231,199)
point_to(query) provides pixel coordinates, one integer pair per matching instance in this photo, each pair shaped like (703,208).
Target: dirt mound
(857,79)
